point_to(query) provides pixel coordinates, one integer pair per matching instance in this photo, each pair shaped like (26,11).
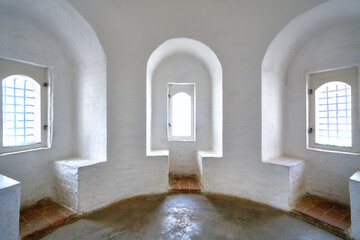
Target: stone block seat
(10,206)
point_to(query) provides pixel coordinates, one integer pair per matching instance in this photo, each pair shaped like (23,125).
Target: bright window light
(181,115)
(21,111)
(181,112)
(333,114)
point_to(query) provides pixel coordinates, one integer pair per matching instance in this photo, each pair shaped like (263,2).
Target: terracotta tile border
(329,215)
(42,218)
(184,184)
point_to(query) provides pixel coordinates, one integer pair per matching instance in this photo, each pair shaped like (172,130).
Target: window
(181,112)
(21,111)
(24,95)
(333,110)
(333,114)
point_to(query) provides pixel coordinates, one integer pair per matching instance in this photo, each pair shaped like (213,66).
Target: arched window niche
(322,39)
(184,61)
(278,61)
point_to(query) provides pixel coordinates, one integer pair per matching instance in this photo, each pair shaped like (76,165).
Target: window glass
(181,112)
(181,115)
(21,111)
(333,114)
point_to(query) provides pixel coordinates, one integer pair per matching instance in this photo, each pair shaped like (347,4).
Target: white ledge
(285,161)
(78,163)
(154,153)
(6,182)
(355,177)
(205,154)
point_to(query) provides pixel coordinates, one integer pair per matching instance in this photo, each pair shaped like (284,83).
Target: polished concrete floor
(190,216)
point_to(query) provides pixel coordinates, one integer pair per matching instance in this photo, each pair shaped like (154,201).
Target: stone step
(184,184)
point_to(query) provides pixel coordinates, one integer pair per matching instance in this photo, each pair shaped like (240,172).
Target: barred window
(25,98)
(333,114)
(21,111)
(333,110)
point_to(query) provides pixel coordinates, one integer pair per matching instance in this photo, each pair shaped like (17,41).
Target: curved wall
(239,32)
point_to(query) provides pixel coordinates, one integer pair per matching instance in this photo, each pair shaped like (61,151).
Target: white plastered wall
(53,34)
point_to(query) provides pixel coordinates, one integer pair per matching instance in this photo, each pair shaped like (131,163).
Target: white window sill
(181,139)
(333,151)
(23,151)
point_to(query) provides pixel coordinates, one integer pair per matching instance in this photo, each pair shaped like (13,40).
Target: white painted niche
(181,112)
(188,70)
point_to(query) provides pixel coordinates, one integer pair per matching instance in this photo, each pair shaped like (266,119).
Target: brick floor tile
(184,184)
(326,211)
(40,224)
(30,214)
(341,209)
(335,223)
(67,212)
(347,219)
(306,202)
(325,205)
(42,218)
(25,229)
(334,215)
(314,212)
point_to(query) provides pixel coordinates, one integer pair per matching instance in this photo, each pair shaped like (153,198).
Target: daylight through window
(333,114)
(181,112)
(21,111)
(181,115)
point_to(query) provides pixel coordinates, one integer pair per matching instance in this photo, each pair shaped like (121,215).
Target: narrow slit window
(181,112)
(21,111)
(333,114)
(181,115)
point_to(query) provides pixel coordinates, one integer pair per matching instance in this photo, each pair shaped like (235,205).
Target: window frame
(173,89)
(41,75)
(348,75)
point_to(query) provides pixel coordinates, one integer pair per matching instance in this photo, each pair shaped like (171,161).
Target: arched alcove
(277,61)
(30,32)
(184,60)
(322,39)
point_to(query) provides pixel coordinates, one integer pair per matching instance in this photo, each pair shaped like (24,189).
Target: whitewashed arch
(277,60)
(212,64)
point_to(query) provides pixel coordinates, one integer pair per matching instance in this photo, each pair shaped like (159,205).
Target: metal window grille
(333,115)
(19,111)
